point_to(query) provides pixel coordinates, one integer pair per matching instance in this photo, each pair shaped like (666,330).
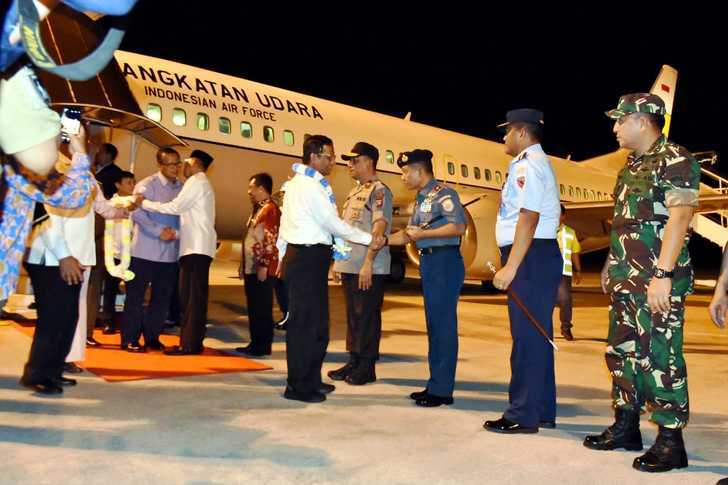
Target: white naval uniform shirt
(531,185)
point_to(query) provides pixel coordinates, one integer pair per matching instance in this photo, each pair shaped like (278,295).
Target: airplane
(249,127)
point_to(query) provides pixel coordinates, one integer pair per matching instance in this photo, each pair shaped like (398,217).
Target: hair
(427,165)
(123,175)
(535,131)
(314,145)
(263,180)
(111,150)
(563,209)
(166,151)
(657,121)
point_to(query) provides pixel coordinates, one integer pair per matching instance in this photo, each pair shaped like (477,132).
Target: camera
(70,123)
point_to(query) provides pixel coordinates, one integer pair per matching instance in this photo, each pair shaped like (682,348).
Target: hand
(138,200)
(336,277)
(658,294)
(503,278)
(279,270)
(718,307)
(577,277)
(604,278)
(168,234)
(414,233)
(71,270)
(365,276)
(78,142)
(262,272)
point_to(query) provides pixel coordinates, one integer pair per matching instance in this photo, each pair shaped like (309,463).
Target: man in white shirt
(309,222)
(195,205)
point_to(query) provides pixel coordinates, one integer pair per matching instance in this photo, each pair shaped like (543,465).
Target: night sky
(460,69)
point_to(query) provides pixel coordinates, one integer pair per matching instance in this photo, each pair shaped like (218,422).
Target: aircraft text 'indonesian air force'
(251,127)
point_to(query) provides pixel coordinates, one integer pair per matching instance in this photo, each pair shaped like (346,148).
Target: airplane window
(154,112)
(571,191)
(578,192)
(390,156)
(288,137)
(593,195)
(464,170)
(487,174)
(269,134)
(203,122)
(224,125)
(179,117)
(246,129)
(561,188)
(476,172)
(451,168)
(498,177)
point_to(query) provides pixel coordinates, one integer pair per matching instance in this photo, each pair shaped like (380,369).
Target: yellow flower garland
(121,270)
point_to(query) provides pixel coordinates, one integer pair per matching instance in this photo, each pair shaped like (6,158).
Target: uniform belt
(438,249)
(323,246)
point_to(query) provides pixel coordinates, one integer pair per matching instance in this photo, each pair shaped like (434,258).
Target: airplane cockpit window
(488,176)
(389,154)
(246,129)
(498,177)
(463,170)
(288,137)
(476,172)
(269,134)
(203,122)
(179,117)
(154,112)
(451,168)
(224,125)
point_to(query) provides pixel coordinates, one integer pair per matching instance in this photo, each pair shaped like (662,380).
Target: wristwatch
(661,273)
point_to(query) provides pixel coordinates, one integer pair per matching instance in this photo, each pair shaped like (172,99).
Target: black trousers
(57,305)
(363,315)
(564,301)
(281,294)
(259,295)
(137,321)
(194,283)
(305,272)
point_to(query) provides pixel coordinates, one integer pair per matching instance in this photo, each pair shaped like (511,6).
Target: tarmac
(237,428)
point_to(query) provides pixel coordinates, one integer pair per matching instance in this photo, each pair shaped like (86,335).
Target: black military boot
(667,453)
(624,433)
(362,374)
(342,372)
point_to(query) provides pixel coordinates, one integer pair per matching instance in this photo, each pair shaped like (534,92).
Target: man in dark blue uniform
(437,222)
(526,235)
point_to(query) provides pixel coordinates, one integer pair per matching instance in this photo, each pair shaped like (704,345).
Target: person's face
(256,192)
(103,157)
(629,129)
(412,176)
(125,186)
(359,167)
(188,168)
(512,140)
(169,166)
(324,162)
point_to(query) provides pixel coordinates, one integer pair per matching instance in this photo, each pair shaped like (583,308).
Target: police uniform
(644,349)
(531,185)
(442,273)
(366,204)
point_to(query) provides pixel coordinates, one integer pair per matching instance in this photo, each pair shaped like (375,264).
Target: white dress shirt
(195,205)
(310,218)
(70,232)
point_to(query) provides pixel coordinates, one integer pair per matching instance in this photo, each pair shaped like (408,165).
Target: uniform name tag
(426,208)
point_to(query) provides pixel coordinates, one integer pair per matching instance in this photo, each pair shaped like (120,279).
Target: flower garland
(121,270)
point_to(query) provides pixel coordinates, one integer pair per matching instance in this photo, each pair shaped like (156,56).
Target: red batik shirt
(259,246)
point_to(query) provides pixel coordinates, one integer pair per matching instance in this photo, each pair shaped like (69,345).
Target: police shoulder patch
(447,204)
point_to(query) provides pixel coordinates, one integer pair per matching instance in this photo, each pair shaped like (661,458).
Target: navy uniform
(366,204)
(442,273)
(531,185)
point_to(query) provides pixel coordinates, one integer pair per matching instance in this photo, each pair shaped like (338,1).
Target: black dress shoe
(133,347)
(418,395)
(342,373)
(109,330)
(72,368)
(65,381)
(313,397)
(46,386)
(177,350)
(432,401)
(566,333)
(92,342)
(547,424)
(361,375)
(507,426)
(154,345)
(282,324)
(326,388)
(252,351)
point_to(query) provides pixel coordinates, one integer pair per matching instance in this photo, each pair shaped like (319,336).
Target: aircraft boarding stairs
(712,225)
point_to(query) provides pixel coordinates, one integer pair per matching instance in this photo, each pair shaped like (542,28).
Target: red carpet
(113,364)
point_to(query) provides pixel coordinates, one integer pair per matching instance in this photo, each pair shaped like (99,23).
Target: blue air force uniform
(442,273)
(531,184)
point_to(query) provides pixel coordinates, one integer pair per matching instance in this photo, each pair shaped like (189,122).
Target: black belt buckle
(435,249)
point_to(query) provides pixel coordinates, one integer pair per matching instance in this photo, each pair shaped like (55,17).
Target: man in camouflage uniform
(648,274)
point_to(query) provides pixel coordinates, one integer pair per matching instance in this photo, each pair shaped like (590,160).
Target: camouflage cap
(638,103)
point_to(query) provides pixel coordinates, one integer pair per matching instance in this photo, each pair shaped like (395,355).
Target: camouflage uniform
(644,351)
